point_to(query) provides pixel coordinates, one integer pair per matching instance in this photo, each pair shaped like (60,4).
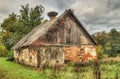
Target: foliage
(2,46)
(99,50)
(9,28)
(110,41)
(2,50)
(100,37)
(16,26)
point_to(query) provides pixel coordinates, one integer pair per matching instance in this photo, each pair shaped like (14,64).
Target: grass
(12,70)
(110,70)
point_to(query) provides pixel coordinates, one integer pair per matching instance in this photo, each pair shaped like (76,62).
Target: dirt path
(111,59)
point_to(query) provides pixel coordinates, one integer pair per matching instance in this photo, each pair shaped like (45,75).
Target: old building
(59,39)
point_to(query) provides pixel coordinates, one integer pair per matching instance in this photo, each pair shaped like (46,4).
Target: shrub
(4,52)
(99,50)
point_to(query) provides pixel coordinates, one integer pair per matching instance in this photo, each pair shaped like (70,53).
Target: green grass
(12,70)
(109,70)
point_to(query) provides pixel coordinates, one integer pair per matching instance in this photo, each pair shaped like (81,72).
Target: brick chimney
(52,14)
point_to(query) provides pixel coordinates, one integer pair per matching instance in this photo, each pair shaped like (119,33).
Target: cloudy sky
(95,15)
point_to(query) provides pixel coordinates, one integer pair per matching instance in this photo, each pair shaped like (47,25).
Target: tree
(109,41)
(2,46)
(35,14)
(29,18)
(100,37)
(114,38)
(9,28)
(17,26)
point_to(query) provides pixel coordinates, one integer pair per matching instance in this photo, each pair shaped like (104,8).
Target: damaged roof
(43,28)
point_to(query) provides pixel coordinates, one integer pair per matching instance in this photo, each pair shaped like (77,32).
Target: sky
(95,15)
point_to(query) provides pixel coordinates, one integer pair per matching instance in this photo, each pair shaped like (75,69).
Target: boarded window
(68,41)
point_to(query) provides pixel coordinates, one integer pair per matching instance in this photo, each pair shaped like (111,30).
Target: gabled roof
(84,30)
(43,28)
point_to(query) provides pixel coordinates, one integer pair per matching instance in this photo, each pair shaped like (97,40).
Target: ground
(12,70)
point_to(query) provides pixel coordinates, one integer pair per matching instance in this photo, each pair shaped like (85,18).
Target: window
(68,41)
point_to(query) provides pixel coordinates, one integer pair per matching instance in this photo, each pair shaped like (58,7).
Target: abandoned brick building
(61,38)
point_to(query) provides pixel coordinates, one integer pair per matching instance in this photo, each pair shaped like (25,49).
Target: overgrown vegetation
(107,70)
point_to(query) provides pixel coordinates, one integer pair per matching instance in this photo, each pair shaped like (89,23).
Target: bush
(99,50)
(4,52)
(10,53)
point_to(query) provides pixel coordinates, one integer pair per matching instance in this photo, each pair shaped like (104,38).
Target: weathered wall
(40,56)
(50,55)
(82,53)
(26,56)
(64,31)
(74,34)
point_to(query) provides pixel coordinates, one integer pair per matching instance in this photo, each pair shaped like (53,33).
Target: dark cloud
(63,4)
(113,4)
(98,15)
(59,4)
(95,15)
